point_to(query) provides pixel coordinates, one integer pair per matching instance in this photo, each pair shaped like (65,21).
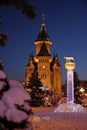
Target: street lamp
(82,90)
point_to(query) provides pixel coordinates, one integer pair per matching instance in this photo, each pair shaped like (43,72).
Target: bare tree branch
(22,5)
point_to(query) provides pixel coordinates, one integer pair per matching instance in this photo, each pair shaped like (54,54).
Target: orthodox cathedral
(47,66)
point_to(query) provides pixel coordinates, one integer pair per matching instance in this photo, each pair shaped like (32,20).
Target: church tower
(47,66)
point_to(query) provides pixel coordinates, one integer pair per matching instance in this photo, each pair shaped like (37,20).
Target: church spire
(43,15)
(43,35)
(43,24)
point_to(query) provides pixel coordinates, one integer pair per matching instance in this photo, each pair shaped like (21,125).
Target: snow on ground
(45,119)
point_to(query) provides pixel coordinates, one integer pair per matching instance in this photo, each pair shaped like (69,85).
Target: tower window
(43,76)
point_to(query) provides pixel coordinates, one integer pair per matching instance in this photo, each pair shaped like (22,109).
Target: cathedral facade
(47,66)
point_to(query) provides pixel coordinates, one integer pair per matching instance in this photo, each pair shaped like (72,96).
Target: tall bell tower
(47,66)
(42,37)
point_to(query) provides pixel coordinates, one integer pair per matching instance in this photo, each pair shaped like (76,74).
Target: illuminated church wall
(47,66)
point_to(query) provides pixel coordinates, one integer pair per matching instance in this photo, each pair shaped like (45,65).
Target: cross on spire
(43,15)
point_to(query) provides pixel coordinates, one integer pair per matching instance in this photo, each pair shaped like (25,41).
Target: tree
(15,107)
(36,93)
(64,89)
(3,39)
(22,5)
(1,66)
(35,81)
(76,88)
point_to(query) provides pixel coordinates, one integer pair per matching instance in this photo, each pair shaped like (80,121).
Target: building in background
(47,66)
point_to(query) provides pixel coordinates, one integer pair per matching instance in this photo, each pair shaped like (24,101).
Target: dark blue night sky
(66,23)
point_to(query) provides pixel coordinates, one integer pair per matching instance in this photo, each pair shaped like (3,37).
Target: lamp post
(82,91)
